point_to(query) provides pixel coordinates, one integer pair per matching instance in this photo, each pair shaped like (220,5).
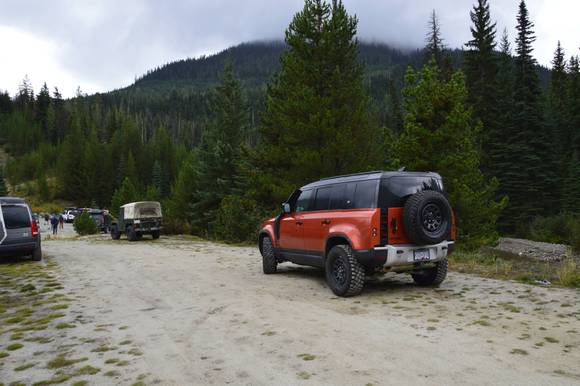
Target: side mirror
(285,208)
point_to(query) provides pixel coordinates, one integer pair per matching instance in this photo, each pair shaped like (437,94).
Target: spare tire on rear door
(427,217)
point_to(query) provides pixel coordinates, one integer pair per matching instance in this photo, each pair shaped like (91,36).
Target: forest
(222,140)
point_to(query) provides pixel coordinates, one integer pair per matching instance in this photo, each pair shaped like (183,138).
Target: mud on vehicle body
(137,219)
(360,224)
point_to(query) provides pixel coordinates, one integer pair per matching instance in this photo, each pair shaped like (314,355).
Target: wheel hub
(432,218)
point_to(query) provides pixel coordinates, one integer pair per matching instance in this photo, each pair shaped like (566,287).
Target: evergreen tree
(439,135)
(573,105)
(42,111)
(3,188)
(219,171)
(571,185)
(531,184)
(480,63)
(126,193)
(434,42)
(316,121)
(183,192)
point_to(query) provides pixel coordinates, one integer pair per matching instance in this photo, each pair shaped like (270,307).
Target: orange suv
(360,224)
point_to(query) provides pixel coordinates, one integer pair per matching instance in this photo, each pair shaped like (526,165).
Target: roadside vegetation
(496,265)
(228,154)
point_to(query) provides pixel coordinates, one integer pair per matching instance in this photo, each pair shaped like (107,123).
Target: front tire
(432,276)
(131,234)
(344,274)
(269,262)
(155,235)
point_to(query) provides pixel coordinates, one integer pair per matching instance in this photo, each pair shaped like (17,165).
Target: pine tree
(571,185)
(481,75)
(532,180)
(573,104)
(439,135)
(434,42)
(126,193)
(316,121)
(3,188)
(184,191)
(42,110)
(219,171)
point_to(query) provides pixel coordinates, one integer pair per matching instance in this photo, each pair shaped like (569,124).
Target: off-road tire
(155,235)
(37,254)
(131,234)
(269,262)
(344,274)
(115,234)
(425,209)
(432,276)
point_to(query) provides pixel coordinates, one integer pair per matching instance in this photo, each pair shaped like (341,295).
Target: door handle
(299,222)
(325,222)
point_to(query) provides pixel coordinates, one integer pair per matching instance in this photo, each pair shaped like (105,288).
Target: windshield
(16,217)
(395,190)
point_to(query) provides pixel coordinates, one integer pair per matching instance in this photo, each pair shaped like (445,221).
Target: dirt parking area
(183,312)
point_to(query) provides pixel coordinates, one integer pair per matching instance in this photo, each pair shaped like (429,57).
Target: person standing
(61,221)
(46,219)
(54,223)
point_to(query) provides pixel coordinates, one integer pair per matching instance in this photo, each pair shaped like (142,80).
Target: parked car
(19,233)
(70,214)
(356,225)
(98,216)
(137,219)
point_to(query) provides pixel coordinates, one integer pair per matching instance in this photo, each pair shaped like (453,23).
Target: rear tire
(344,274)
(131,234)
(37,254)
(432,276)
(269,262)
(115,234)
(155,235)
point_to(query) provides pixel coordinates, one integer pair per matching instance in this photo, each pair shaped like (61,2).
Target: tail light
(394,231)
(34,228)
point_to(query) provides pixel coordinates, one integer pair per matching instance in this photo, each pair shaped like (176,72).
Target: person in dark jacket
(54,224)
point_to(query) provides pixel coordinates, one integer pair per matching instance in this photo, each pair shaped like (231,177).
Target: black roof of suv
(374,175)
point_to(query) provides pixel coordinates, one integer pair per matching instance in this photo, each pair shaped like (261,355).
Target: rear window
(16,217)
(394,190)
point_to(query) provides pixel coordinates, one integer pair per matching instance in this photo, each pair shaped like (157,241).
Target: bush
(563,228)
(85,225)
(238,220)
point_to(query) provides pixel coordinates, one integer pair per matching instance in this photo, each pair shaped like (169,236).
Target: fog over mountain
(104,45)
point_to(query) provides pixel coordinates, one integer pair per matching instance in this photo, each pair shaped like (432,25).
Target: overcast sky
(102,45)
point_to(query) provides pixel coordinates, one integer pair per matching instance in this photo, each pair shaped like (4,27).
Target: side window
(364,196)
(16,217)
(322,200)
(338,198)
(303,202)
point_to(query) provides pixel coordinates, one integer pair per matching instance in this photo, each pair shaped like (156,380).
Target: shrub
(563,228)
(238,219)
(85,225)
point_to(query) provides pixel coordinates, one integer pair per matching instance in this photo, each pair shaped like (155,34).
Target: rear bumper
(402,254)
(18,249)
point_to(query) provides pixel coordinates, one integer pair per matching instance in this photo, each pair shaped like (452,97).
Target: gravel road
(182,312)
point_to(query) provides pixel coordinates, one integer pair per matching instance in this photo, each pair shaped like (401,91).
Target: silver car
(19,232)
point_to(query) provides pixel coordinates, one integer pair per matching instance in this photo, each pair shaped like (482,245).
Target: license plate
(421,255)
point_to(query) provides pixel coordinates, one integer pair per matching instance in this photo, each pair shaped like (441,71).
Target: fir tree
(126,193)
(439,135)
(220,150)
(571,185)
(481,74)
(316,121)
(434,42)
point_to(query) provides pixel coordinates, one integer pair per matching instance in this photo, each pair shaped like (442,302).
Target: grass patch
(482,322)
(125,342)
(122,363)
(303,375)
(111,361)
(549,339)
(14,346)
(3,354)
(135,352)
(62,326)
(58,307)
(112,373)
(60,378)
(518,351)
(102,348)
(24,367)
(307,357)
(80,383)
(87,370)
(61,361)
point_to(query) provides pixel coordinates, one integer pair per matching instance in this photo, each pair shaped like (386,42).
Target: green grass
(307,357)
(87,370)
(519,351)
(60,378)
(24,367)
(63,325)
(14,346)
(61,361)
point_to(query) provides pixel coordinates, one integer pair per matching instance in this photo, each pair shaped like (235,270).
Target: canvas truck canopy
(144,209)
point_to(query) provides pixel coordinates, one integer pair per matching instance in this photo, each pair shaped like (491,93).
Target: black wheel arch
(333,240)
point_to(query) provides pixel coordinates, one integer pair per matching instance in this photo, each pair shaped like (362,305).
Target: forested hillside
(226,136)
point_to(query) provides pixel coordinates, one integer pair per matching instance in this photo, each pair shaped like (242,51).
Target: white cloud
(101,45)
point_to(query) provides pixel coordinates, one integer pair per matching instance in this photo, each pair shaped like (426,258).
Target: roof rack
(351,175)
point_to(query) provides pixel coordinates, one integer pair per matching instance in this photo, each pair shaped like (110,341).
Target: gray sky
(102,45)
